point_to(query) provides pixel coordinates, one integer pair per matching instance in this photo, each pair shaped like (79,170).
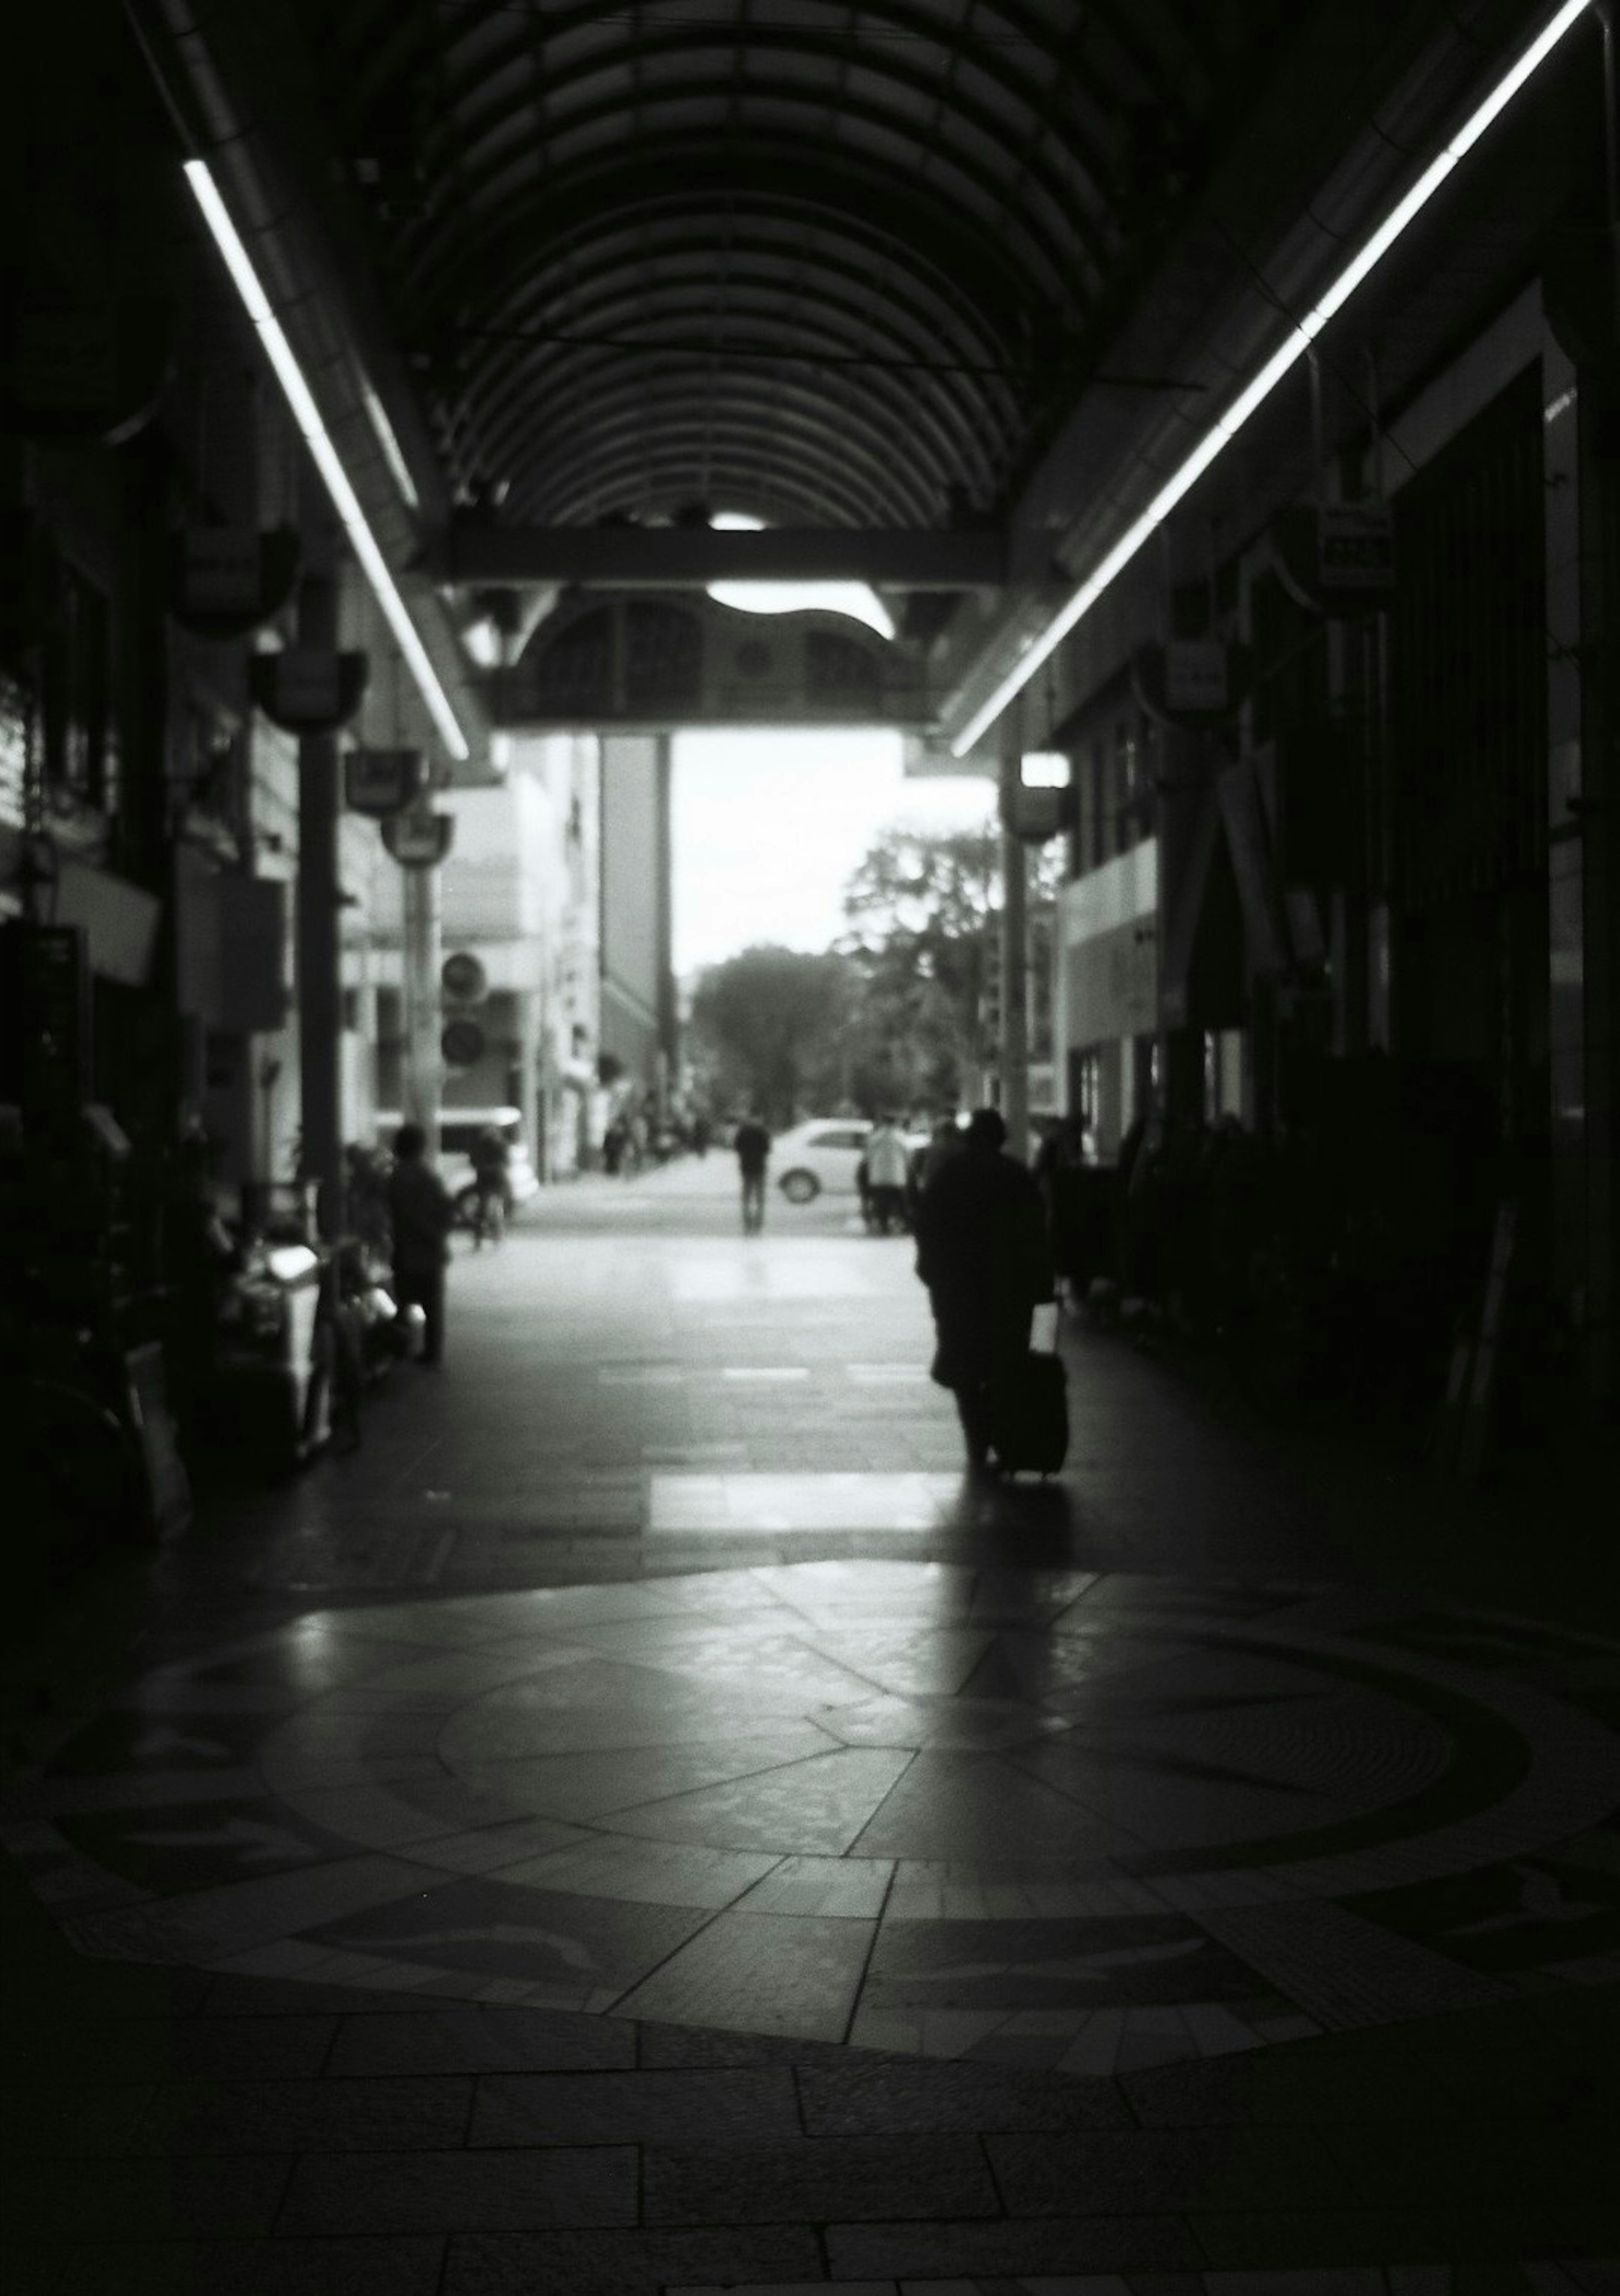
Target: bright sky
(770,824)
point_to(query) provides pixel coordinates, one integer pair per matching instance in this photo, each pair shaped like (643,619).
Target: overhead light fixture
(482,641)
(325,455)
(393,453)
(1036,649)
(856,599)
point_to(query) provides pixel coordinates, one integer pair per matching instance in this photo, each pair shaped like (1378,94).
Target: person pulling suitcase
(984,1253)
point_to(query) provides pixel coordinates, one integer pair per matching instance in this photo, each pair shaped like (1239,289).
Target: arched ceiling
(828,264)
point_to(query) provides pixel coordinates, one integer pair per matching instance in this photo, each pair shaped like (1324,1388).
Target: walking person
(886,1161)
(490,1159)
(753,1147)
(421,1214)
(983,1253)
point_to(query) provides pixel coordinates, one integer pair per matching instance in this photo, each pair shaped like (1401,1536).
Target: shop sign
(1195,675)
(1355,546)
(419,838)
(463,977)
(86,371)
(226,580)
(308,689)
(1189,681)
(382,782)
(462,1044)
(1037,814)
(221,566)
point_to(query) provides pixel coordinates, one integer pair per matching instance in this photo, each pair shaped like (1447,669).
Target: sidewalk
(644,1824)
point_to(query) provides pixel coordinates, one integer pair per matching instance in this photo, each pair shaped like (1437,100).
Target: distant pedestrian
(422,1215)
(982,1251)
(884,1160)
(491,1161)
(753,1147)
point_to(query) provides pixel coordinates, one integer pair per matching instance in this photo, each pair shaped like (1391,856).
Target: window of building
(76,686)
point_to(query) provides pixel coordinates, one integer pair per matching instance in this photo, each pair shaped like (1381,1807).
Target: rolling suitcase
(1029,1415)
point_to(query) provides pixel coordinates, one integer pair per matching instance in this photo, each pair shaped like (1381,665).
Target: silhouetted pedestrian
(753,1147)
(982,1251)
(422,1215)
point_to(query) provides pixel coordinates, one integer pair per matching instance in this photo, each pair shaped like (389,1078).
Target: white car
(820,1156)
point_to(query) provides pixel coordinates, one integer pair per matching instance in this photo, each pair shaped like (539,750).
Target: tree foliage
(923,910)
(767,1025)
(900,1015)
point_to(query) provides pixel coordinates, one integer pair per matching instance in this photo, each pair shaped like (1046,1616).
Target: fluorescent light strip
(392,453)
(1254,393)
(313,431)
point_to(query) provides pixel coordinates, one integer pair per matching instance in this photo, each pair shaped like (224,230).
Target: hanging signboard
(1037,814)
(1188,682)
(419,838)
(308,689)
(1195,676)
(226,580)
(379,783)
(86,371)
(1336,558)
(1355,546)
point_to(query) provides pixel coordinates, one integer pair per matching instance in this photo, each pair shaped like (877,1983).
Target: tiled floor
(646,1822)
(1084,1821)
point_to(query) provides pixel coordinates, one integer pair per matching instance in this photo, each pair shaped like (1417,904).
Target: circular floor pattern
(1090,1822)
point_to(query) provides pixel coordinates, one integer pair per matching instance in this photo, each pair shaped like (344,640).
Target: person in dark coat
(982,1251)
(422,1215)
(752,1145)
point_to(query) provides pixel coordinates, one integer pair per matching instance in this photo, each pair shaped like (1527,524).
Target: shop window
(13,749)
(77,684)
(1133,784)
(1096,807)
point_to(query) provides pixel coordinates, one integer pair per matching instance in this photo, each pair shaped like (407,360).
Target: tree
(768,1024)
(923,909)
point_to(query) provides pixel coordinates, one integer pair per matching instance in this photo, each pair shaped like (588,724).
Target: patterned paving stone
(810,1798)
(459,2192)
(348,2266)
(735,2107)
(1105,2173)
(998,2251)
(764,1972)
(566,2263)
(146,2199)
(196,2118)
(863,2096)
(835,2176)
(452,2038)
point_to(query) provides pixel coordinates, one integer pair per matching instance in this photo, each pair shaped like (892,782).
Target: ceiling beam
(681,558)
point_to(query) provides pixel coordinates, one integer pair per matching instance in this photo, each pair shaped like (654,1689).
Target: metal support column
(320,991)
(424,1072)
(1015,942)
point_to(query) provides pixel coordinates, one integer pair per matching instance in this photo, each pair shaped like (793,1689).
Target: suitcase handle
(1057,1323)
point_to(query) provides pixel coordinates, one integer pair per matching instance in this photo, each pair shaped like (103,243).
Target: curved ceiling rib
(512,401)
(805,428)
(942,136)
(813,257)
(785,238)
